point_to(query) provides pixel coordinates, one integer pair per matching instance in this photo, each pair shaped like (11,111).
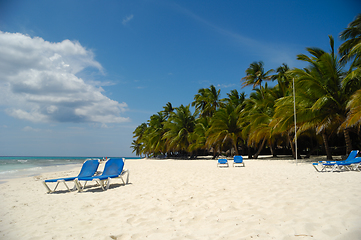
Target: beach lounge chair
(114,168)
(238,161)
(88,169)
(322,166)
(356,166)
(222,162)
(349,165)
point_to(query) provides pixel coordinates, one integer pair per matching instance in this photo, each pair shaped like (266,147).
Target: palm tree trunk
(249,152)
(346,133)
(236,149)
(272,147)
(327,148)
(292,147)
(214,152)
(260,148)
(235,145)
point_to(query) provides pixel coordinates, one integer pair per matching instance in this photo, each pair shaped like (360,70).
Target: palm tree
(321,100)
(354,107)
(224,127)
(258,113)
(137,148)
(198,137)
(155,131)
(283,79)
(255,75)
(234,98)
(179,127)
(207,101)
(138,144)
(351,48)
(168,109)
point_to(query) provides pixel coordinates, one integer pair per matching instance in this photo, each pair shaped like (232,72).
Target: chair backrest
(353,161)
(89,168)
(113,166)
(352,155)
(222,161)
(238,159)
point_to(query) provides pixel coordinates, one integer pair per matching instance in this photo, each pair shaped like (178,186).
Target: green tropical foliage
(327,102)
(180,126)
(255,75)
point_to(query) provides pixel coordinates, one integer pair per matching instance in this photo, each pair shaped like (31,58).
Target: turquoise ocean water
(14,167)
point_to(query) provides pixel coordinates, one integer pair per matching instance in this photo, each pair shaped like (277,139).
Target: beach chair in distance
(349,165)
(322,166)
(222,162)
(238,161)
(114,168)
(356,166)
(88,169)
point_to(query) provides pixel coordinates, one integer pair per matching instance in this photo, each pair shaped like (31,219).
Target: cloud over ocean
(39,82)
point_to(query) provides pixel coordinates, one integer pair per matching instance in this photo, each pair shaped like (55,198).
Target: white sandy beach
(193,199)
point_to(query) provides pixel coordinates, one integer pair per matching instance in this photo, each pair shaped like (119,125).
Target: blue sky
(77,77)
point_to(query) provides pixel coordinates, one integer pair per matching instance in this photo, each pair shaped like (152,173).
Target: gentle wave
(13,167)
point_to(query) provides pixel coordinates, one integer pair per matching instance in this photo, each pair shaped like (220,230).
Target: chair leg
(57,183)
(79,186)
(336,167)
(108,183)
(316,168)
(127,171)
(74,188)
(65,184)
(47,187)
(101,183)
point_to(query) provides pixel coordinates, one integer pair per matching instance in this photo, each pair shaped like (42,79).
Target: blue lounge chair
(356,166)
(222,162)
(324,165)
(349,165)
(114,168)
(88,169)
(238,161)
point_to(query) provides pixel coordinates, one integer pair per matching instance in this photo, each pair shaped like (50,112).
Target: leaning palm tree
(256,75)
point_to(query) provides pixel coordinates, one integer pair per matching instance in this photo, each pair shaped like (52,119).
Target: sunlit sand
(190,199)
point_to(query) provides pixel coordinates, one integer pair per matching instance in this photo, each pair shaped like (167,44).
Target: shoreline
(32,172)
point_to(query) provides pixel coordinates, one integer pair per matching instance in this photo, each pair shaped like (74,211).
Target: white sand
(173,199)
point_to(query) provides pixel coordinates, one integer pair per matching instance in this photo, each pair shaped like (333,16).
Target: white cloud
(127,19)
(30,129)
(38,82)
(231,85)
